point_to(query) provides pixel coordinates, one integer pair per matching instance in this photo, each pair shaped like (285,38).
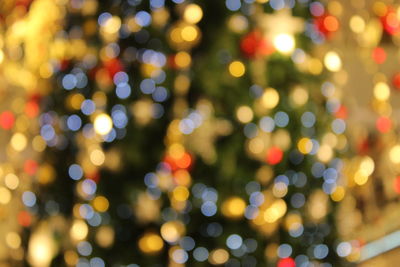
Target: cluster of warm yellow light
(218,256)
(184,35)
(381,91)
(338,194)
(284,43)
(13,240)
(42,247)
(5,195)
(244,114)
(317,205)
(233,207)
(275,211)
(193,13)
(11,181)
(293,221)
(151,243)
(305,145)
(74,101)
(238,23)
(79,230)
(325,153)
(366,168)
(182,177)
(112,25)
(315,66)
(394,154)
(173,230)
(176,150)
(19,141)
(100,203)
(105,236)
(183,59)
(332,61)
(256,145)
(237,69)
(180,193)
(298,96)
(270,98)
(357,24)
(103,124)
(279,189)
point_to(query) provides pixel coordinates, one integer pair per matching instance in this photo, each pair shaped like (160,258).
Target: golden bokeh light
(244,114)
(182,59)
(298,96)
(97,157)
(180,193)
(13,240)
(357,24)
(101,203)
(361,177)
(237,69)
(5,195)
(173,230)
(189,33)
(218,256)
(338,194)
(19,141)
(270,98)
(275,211)
(105,236)
(193,13)
(305,145)
(325,153)
(79,230)
(103,124)
(367,165)
(381,91)
(151,243)
(11,181)
(284,43)
(233,207)
(394,154)
(332,61)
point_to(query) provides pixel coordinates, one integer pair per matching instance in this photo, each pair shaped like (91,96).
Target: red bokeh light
(327,24)
(341,113)
(24,219)
(7,120)
(379,55)
(390,22)
(286,262)
(32,109)
(113,66)
(274,155)
(331,23)
(30,167)
(396,81)
(396,185)
(181,163)
(383,124)
(254,45)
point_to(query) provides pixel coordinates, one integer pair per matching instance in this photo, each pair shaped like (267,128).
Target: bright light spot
(284,43)
(270,98)
(332,61)
(237,69)
(103,124)
(193,13)
(381,91)
(244,114)
(394,154)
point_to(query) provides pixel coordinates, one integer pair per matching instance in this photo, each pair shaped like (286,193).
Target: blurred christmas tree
(189,133)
